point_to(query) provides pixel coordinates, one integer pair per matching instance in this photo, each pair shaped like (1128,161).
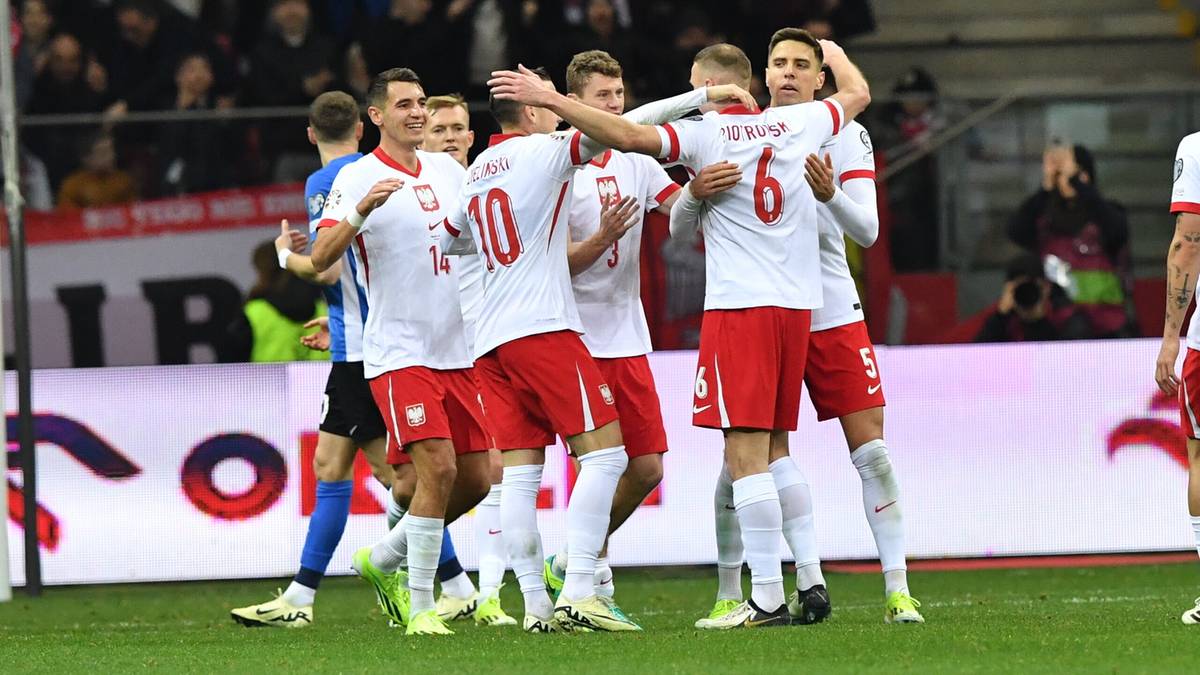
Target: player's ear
(358,131)
(820,80)
(376,115)
(572,96)
(471,137)
(312,138)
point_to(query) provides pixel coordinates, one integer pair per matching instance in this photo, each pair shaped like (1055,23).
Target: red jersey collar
(387,159)
(497,139)
(737,109)
(601,161)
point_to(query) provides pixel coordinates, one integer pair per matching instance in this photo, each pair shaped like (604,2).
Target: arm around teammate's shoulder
(853,94)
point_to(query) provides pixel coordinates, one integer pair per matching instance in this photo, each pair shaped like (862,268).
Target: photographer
(1032,307)
(1070,219)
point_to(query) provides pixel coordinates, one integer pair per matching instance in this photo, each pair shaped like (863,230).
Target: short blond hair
(727,58)
(444,101)
(586,64)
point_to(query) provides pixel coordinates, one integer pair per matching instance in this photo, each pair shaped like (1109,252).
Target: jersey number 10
(496,206)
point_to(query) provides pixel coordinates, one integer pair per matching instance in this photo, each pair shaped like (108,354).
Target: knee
(442,471)
(384,474)
(404,485)
(330,469)
(647,474)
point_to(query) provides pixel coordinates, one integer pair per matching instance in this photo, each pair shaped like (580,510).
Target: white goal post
(12,202)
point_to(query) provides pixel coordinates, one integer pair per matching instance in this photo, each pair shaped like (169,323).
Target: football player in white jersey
(539,379)
(349,417)
(610,196)
(389,205)
(841,374)
(763,281)
(1183,269)
(449,131)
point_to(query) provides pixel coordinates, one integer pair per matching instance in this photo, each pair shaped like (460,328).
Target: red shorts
(420,403)
(751,368)
(1189,394)
(541,385)
(405,458)
(638,407)
(842,374)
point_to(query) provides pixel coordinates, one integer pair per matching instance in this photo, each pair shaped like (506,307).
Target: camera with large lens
(1027,294)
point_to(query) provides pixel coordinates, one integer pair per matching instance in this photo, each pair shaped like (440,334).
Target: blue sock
(324,530)
(448,565)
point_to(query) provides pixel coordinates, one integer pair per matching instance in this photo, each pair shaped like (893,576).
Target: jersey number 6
(768,193)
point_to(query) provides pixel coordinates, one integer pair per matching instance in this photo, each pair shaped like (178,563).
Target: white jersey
(761,236)
(1185,198)
(853,158)
(470,288)
(608,293)
(415,317)
(514,203)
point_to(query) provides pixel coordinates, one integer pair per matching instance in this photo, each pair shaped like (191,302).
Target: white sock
(488,535)
(459,587)
(881,502)
(518,519)
(729,540)
(560,562)
(761,521)
(795,501)
(391,553)
(603,578)
(587,517)
(1196,530)
(299,595)
(394,512)
(424,548)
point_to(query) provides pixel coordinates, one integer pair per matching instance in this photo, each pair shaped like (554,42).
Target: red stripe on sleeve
(362,253)
(857,173)
(673,151)
(454,231)
(1185,207)
(837,118)
(562,195)
(327,222)
(666,193)
(576,156)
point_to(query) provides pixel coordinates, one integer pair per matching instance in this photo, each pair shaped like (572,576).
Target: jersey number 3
(496,215)
(768,193)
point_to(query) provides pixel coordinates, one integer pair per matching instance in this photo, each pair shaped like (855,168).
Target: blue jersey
(347,299)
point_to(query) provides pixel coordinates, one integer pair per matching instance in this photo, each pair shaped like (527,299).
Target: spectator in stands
(1070,219)
(194,155)
(602,31)
(414,35)
(291,66)
(36,27)
(499,33)
(1032,307)
(98,182)
(153,39)
(908,124)
(279,310)
(66,85)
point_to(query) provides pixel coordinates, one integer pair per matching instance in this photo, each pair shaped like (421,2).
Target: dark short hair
(726,57)
(1025,265)
(797,35)
(333,116)
(377,92)
(509,112)
(585,64)
(147,8)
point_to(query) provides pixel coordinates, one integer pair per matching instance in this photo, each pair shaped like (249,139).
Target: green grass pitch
(1086,620)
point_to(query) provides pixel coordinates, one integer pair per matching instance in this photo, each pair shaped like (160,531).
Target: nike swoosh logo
(606,581)
(731,508)
(493,531)
(871,390)
(698,410)
(752,623)
(434,226)
(262,613)
(880,508)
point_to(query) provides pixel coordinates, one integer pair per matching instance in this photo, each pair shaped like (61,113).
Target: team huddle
(479,311)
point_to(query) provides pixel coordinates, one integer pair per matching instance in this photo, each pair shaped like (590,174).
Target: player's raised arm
(854,94)
(330,246)
(668,109)
(286,245)
(602,127)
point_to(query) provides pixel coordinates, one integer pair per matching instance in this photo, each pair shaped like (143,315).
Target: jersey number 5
(496,207)
(768,193)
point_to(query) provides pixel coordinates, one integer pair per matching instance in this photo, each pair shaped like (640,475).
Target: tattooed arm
(1183,267)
